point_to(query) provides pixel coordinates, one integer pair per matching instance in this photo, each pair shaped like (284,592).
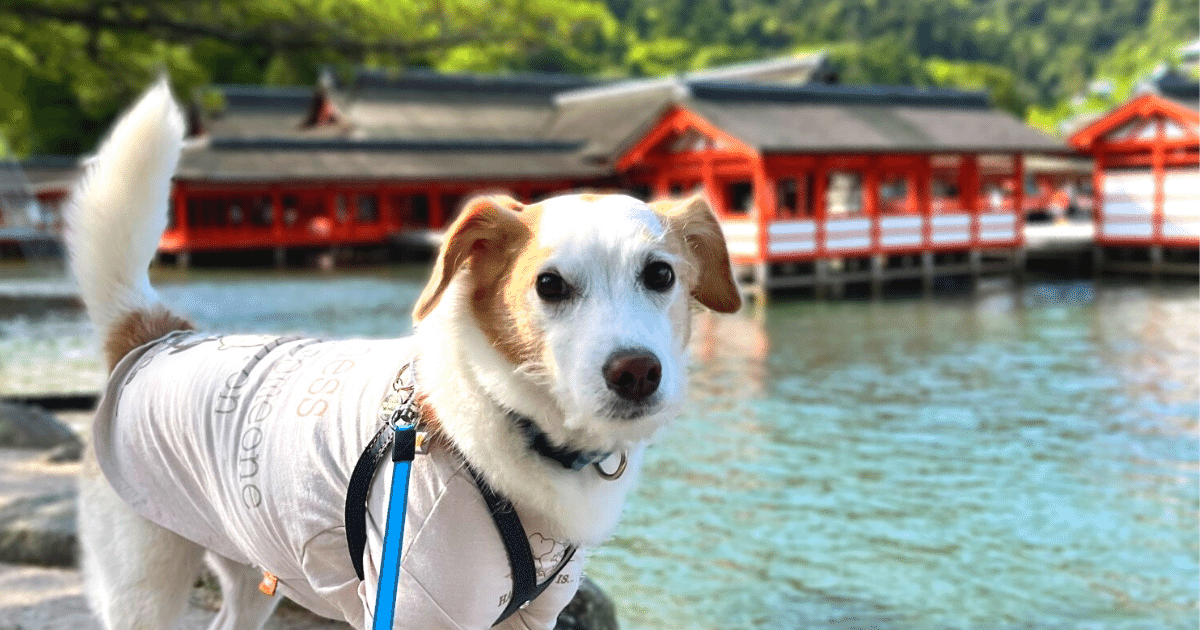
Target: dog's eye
(658,276)
(552,288)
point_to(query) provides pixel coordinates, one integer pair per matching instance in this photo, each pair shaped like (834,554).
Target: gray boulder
(591,609)
(24,426)
(65,452)
(39,530)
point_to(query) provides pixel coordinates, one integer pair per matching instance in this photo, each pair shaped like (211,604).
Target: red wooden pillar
(276,215)
(764,207)
(1158,160)
(871,178)
(968,190)
(181,215)
(712,186)
(1098,193)
(820,175)
(1018,162)
(922,184)
(662,185)
(437,214)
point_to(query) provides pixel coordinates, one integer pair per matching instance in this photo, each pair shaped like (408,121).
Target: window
(451,205)
(640,191)
(893,195)
(844,193)
(290,214)
(368,209)
(794,196)
(739,197)
(418,209)
(339,209)
(263,213)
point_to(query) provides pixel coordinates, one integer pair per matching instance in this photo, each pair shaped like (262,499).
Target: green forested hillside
(67,66)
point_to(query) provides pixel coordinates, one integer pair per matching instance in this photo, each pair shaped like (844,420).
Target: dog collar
(570,459)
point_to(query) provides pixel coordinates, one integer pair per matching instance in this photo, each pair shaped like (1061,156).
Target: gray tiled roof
(324,160)
(612,124)
(824,119)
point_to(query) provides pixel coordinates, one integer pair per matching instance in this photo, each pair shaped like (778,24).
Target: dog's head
(583,306)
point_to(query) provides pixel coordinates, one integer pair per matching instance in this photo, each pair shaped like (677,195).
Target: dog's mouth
(629,411)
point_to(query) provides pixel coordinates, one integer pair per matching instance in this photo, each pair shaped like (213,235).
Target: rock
(39,530)
(66,452)
(591,609)
(24,426)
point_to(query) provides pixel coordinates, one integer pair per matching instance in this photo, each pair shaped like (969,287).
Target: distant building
(1147,182)
(799,169)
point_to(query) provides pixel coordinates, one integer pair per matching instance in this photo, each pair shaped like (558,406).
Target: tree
(71,64)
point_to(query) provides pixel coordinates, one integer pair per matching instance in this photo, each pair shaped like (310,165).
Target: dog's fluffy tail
(115,218)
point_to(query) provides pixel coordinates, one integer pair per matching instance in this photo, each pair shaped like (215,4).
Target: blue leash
(404,444)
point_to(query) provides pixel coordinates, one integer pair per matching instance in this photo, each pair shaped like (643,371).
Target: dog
(549,346)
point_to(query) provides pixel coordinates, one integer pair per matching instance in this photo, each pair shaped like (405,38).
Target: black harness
(512,533)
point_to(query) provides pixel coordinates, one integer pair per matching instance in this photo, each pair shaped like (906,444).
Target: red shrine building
(1147,178)
(800,170)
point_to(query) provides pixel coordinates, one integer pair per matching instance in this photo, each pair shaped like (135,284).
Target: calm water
(1023,460)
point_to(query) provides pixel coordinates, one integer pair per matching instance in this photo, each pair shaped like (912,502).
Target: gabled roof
(611,117)
(1144,107)
(858,119)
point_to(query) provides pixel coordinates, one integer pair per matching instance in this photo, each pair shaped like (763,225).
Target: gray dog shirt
(245,444)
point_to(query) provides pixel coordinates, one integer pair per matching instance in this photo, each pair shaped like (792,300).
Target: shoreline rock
(27,426)
(39,530)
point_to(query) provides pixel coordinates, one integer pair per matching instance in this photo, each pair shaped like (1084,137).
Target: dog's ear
(694,221)
(486,230)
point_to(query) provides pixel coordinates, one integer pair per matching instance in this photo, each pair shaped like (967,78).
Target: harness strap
(357,492)
(516,545)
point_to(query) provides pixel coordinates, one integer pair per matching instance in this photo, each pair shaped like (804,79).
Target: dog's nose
(633,375)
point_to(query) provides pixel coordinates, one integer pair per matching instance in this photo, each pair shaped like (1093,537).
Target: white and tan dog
(572,314)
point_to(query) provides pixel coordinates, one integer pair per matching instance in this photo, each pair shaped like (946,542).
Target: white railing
(741,238)
(792,237)
(1128,205)
(999,227)
(848,234)
(950,229)
(904,231)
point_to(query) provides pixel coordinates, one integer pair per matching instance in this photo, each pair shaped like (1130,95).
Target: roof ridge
(838,94)
(394,144)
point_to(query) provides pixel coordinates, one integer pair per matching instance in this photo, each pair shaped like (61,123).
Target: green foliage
(69,65)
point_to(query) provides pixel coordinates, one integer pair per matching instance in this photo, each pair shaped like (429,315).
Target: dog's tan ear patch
(693,220)
(486,229)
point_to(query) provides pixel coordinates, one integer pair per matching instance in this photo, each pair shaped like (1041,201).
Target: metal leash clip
(406,419)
